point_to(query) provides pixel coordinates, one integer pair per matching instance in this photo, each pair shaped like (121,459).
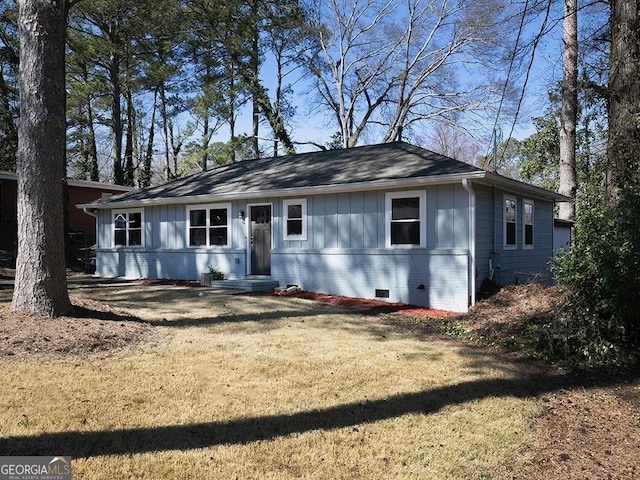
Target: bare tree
(40,285)
(569,110)
(452,142)
(389,64)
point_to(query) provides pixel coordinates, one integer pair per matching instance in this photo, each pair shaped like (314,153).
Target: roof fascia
(522,188)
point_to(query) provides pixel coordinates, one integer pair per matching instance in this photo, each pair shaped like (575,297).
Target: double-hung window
(527,224)
(405,219)
(295,219)
(209,225)
(127,228)
(510,220)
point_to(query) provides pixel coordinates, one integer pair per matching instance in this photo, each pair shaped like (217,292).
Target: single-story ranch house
(389,221)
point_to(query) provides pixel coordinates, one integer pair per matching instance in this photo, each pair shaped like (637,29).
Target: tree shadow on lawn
(241,431)
(258,317)
(87,313)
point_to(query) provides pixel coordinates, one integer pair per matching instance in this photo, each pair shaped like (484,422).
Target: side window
(127,228)
(405,219)
(527,223)
(510,216)
(209,225)
(295,219)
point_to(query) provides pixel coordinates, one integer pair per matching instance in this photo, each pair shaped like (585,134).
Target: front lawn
(167,382)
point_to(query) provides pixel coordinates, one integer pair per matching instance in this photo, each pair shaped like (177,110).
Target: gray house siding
(519,264)
(165,253)
(345,251)
(435,278)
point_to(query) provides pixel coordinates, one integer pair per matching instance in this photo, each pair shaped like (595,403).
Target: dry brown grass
(268,387)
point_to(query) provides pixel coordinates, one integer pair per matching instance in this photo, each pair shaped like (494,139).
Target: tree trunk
(569,111)
(40,284)
(145,177)
(94,172)
(253,67)
(129,170)
(116,119)
(624,97)
(165,130)
(90,150)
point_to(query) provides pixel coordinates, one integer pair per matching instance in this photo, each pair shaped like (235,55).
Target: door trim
(248,234)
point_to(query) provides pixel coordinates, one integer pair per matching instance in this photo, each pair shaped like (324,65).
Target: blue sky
(545,71)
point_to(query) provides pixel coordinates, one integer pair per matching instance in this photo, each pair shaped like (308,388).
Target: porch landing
(246,284)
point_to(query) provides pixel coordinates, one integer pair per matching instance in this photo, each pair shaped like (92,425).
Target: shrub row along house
(389,221)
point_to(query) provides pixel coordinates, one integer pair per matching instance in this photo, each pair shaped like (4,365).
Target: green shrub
(600,277)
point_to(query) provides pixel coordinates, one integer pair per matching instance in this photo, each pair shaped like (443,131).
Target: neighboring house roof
(76,183)
(560,222)
(389,165)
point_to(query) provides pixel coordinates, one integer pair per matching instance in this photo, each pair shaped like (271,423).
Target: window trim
(208,207)
(285,218)
(127,211)
(505,245)
(422,217)
(526,245)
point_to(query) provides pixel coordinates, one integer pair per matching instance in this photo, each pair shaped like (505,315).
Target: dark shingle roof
(366,165)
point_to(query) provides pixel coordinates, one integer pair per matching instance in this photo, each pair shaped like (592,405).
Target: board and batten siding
(165,253)
(357,220)
(519,264)
(345,251)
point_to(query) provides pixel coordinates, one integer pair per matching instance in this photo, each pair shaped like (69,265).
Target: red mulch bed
(166,281)
(364,304)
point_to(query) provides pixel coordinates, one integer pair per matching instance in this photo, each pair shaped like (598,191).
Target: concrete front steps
(246,284)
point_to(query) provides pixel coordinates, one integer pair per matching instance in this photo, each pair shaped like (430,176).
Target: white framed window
(510,222)
(405,219)
(127,228)
(527,223)
(295,219)
(209,225)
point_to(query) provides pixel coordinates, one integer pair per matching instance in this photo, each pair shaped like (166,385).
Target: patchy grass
(264,387)
(220,386)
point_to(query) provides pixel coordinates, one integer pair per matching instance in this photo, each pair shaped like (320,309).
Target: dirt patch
(94,328)
(585,432)
(512,309)
(588,433)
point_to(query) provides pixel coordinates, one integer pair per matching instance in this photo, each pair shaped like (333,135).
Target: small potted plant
(212,275)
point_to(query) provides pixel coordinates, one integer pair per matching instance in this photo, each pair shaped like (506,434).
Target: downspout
(90,211)
(94,213)
(466,184)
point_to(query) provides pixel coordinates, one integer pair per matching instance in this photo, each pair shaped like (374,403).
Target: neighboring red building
(79,223)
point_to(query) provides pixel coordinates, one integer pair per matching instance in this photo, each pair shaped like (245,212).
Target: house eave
(287,192)
(521,188)
(483,177)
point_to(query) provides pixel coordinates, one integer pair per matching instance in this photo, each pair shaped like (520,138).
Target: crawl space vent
(382,293)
